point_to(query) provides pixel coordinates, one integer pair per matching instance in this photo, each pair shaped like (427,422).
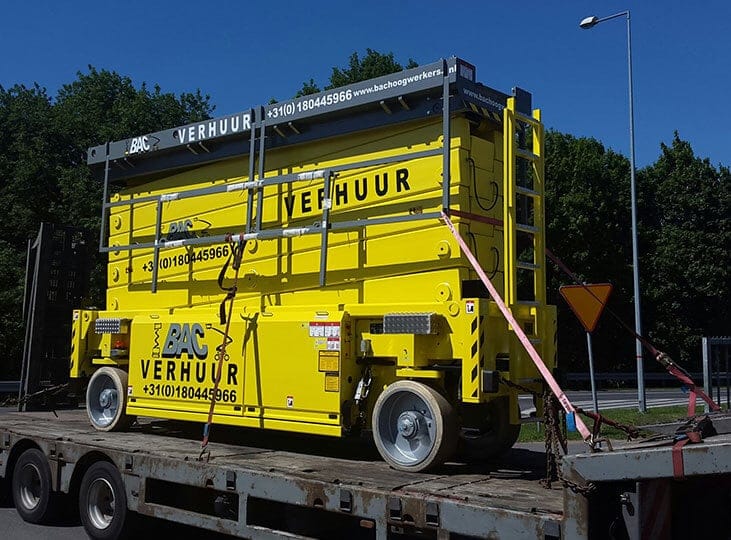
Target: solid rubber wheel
(414,426)
(493,436)
(103,503)
(31,487)
(106,400)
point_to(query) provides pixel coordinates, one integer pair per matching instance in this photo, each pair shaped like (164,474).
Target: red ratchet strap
(691,437)
(670,366)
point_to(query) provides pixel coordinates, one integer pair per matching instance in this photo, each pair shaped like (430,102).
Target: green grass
(658,415)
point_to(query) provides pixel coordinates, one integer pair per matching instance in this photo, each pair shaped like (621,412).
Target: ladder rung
(526,119)
(526,191)
(527,266)
(522,227)
(525,154)
(526,303)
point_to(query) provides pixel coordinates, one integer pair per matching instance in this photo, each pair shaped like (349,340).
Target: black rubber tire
(6,497)
(497,435)
(31,487)
(102,498)
(440,412)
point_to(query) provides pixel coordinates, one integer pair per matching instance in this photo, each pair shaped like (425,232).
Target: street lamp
(586,24)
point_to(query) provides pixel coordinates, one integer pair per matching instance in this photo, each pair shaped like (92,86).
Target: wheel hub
(106,398)
(101,503)
(408,424)
(30,486)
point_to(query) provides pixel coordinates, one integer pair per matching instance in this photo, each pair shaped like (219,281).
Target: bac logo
(184,339)
(139,144)
(180,229)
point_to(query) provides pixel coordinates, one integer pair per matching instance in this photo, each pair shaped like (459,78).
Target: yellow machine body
(295,349)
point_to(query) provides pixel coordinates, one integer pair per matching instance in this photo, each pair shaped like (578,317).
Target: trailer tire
(6,497)
(31,487)
(103,503)
(495,436)
(414,426)
(106,400)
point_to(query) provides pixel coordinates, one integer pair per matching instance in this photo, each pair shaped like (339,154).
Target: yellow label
(329,361)
(332,382)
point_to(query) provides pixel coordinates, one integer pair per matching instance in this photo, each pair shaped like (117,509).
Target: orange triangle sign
(587,301)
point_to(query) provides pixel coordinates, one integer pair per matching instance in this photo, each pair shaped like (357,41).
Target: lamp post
(587,23)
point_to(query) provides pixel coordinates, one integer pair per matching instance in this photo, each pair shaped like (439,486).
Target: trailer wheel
(493,435)
(414,427)
(31,487)
(103,503)
(106,400)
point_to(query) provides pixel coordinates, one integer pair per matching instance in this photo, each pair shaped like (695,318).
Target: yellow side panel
(173,363)
(280,366)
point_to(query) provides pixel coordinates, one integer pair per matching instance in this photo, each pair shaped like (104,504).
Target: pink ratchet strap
(545,372)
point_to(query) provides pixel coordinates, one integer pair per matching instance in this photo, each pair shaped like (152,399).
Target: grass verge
(658,415)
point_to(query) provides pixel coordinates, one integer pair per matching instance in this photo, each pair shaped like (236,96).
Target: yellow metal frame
(537,318)
(283,379)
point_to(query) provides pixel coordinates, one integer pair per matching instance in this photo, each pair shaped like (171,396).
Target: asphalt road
(621,399)
(12,527)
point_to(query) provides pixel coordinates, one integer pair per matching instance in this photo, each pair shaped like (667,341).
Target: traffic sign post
(591,372)
(587,301)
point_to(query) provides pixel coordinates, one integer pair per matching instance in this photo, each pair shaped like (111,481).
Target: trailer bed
(272,472)
(264,484)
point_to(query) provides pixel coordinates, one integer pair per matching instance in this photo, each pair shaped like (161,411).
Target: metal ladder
(523,210)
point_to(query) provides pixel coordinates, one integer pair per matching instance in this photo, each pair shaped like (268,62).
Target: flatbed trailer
(260,484)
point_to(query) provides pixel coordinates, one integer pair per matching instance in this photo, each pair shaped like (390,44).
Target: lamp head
(588,22)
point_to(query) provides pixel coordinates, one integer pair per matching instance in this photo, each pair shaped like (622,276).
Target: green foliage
(43,175)
(684,233)
(373,64)
(307,89)
(11,297)
(628,417)
(686,218)
(588,227)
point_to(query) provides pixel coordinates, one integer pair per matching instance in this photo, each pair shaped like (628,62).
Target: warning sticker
(324,329)
(328,361)
(332,382)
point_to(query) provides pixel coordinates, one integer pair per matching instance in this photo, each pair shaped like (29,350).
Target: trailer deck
(265,484)
(268,474)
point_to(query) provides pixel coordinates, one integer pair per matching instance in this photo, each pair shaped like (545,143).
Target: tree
(43,175)
(588,227)
(686,227)
(308,88)
(373,64)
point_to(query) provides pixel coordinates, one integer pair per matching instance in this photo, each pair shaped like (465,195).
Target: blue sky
(243,53)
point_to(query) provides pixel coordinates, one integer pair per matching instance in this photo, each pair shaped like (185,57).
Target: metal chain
(557,447)
(631,431)
(556,440)
(28,397)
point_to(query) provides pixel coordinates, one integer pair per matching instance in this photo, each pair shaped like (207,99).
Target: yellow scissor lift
(352,307)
